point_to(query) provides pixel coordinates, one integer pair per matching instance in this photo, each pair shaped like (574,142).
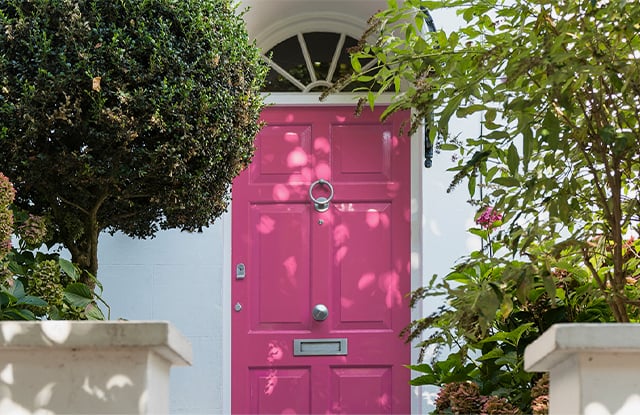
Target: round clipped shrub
(125,115)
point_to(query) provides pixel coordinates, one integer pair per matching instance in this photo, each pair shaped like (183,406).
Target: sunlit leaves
(558,87)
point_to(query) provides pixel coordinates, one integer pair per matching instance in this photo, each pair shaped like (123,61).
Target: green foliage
(125,115)
(494,309)
(558,86)
(35,285)
(45,286)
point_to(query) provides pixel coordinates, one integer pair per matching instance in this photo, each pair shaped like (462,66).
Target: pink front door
(319,292)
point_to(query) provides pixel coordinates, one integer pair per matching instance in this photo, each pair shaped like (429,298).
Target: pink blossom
(488,218)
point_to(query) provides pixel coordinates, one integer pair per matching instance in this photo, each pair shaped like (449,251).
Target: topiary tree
(125,115)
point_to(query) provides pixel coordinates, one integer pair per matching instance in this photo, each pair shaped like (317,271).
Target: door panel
(280,296)
(276,391)
(362,261)
(352,258)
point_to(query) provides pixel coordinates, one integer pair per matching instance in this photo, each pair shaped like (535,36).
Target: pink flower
(488,218)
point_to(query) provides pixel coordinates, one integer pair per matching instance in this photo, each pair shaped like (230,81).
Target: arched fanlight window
(309,62)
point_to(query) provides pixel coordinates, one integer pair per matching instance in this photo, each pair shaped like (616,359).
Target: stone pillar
(88,367)
(594,368)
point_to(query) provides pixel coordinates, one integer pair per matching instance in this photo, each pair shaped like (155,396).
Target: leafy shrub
(37,285)
(493,309)
(556,85)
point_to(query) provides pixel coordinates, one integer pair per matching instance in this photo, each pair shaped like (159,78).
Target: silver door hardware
(321,204)
(240,271)
(320,312)
(320,347)
(237,307)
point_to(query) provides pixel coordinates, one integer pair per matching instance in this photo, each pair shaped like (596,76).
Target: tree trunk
(84,248)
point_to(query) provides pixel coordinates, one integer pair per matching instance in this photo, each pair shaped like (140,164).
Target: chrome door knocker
(321,204)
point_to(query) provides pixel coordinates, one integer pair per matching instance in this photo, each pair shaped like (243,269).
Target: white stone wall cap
(160,336)
(565,339)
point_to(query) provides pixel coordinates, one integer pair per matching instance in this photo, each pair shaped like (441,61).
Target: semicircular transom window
(309,62)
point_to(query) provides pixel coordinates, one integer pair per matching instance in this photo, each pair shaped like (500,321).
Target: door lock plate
(240,271)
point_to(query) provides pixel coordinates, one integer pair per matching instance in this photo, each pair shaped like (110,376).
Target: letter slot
(320,347)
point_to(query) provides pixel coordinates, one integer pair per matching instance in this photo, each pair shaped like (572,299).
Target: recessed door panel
(364,268)
(362,152)
(282,154)
(280,277)
(274,385)
(362,389)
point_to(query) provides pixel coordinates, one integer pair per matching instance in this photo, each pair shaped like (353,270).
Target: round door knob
(320,312)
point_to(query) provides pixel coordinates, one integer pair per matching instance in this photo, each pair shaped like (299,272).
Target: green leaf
(510,359)
(54,314)
(69,268)
(18,314)
(442,39)
(355,64)
(93,312)
(511,337)
(493,354)
(454,39)
(425,380)
(471,109)
(513,159)
(6,298)
(458,277)
(448,146)
(471,185)
(550,288)
(527,146)
(78,295)
(497,135)
(507,181)
(483,233)
(506,307)
(32,300)
(18,289)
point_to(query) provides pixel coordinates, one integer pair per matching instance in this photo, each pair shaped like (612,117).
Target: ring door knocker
(321,204)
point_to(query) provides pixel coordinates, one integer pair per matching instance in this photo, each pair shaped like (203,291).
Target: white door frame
(417,171)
